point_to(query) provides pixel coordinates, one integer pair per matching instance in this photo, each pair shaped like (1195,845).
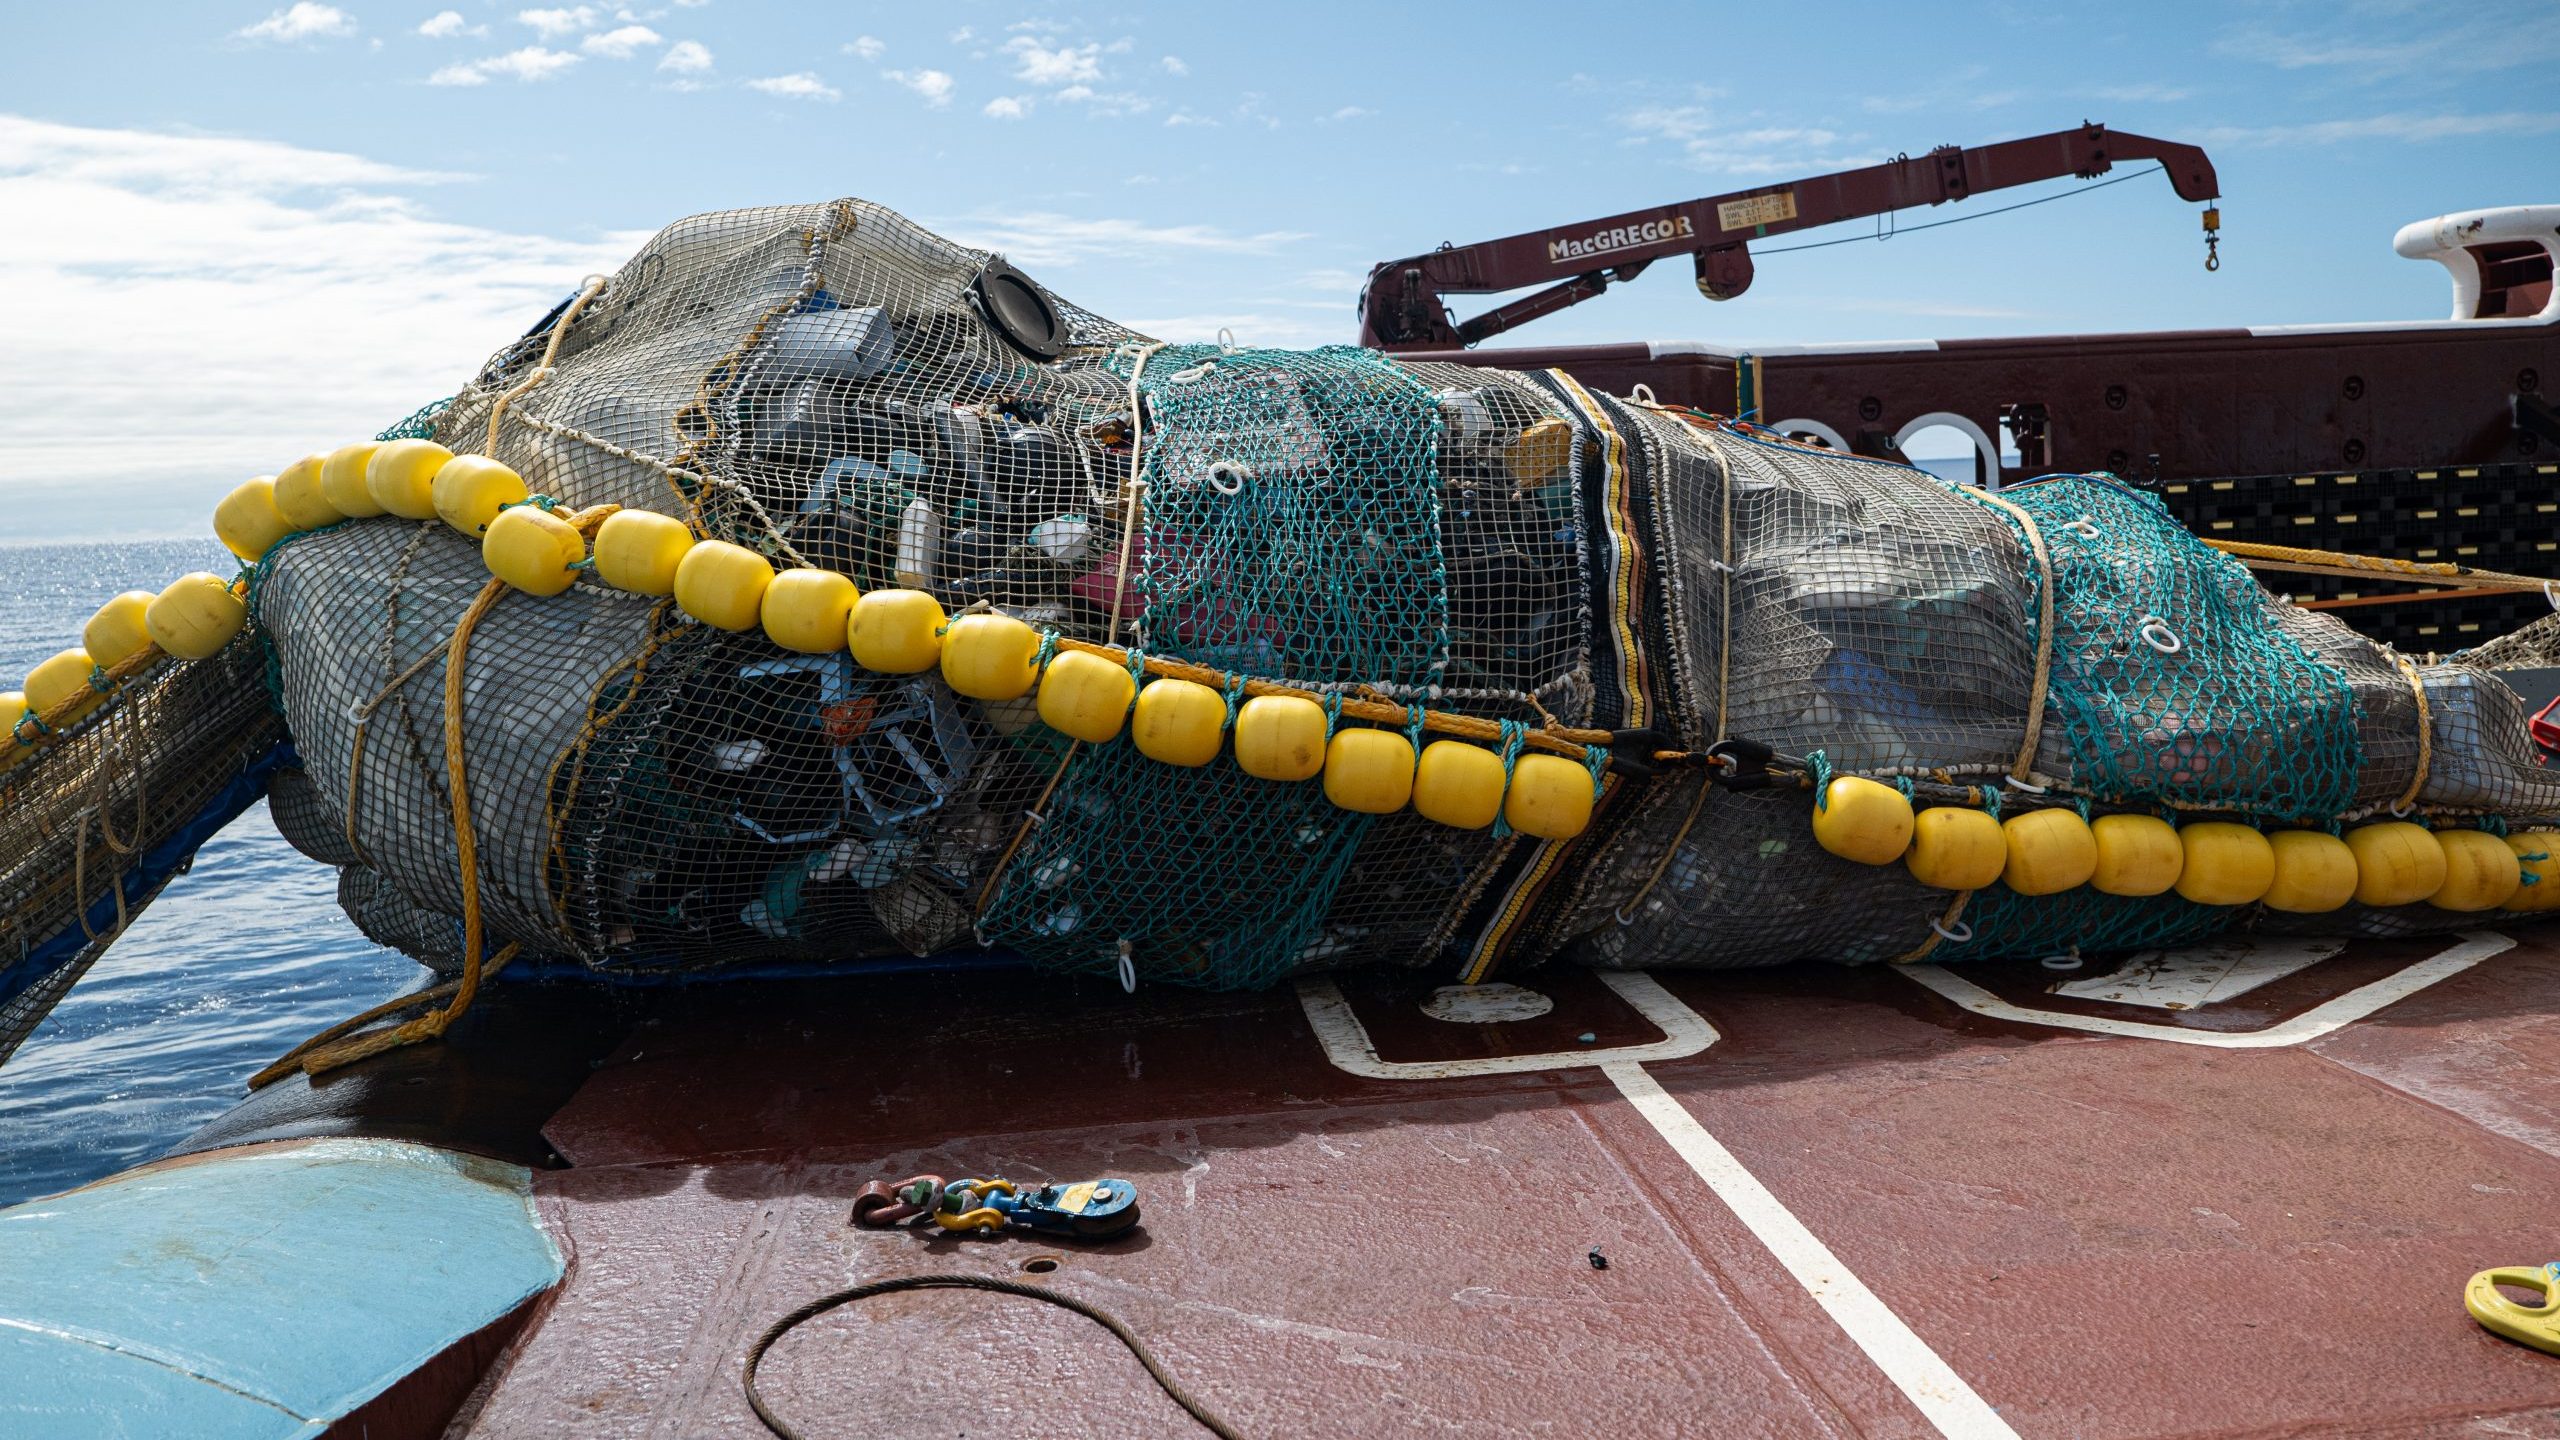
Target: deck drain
(1039,1264)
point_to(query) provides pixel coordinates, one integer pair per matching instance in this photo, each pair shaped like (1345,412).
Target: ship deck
(2235,1193)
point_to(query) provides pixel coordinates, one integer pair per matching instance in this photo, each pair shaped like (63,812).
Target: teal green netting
(1293,515)
(2007,925)
(421,423)
(2170,680)
(1292,532)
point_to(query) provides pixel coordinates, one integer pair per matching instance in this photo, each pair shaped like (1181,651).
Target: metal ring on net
(1227,477)
(2155,632)
(1957,936)
(2551,594)
(2061,962)
(1128,967)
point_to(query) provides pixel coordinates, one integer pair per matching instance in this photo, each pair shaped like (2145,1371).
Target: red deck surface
(2100,1235)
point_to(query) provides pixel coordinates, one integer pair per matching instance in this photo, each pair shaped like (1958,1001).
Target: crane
(1403,307)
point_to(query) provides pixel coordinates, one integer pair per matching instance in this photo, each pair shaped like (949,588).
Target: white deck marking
(2207,974)
(1906,1359)
(2311,1024)
(1347,1044)
(1923,1377)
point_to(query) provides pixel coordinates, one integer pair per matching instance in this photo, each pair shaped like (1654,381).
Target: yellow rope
(1131,517)
(542,371)
(2024,771)
(1937,931)
(2293,560)
(2426,735)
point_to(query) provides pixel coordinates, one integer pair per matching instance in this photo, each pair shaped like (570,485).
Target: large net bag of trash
(814,592)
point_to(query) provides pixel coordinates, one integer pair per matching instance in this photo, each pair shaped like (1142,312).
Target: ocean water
(237,961)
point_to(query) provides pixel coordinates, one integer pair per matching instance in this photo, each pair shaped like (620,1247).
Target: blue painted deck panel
(260,1292)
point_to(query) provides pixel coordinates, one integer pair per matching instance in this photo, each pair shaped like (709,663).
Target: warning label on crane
(1754,210)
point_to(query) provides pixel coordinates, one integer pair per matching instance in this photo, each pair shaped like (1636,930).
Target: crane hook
(2212,237)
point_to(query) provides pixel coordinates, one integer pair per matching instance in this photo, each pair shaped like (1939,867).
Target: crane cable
(1960,219)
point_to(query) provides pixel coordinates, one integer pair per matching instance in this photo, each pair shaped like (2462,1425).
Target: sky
(232,232)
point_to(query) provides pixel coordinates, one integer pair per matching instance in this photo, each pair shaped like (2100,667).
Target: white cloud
(1256,328)
(686,57)
(525,66)
(963,35)
(622,44)
(1350,112)
(799,86)
(1065,65)
(2402,126)
(1761,150)
(2163,94)
(302,20)
(1042,238)
(183,290)
(449,25)
(868,47)
(1173,65)
(551,24)
(933,85)
(2405,49)
(1007,107)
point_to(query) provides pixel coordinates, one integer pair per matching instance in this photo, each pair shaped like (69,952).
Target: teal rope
(1990,800)
(1514,735)
(1414,716)
(1595,758)
(1820,764)
(1332,714)
(1235,697)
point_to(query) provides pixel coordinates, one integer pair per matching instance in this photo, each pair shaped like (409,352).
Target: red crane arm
(1403,307)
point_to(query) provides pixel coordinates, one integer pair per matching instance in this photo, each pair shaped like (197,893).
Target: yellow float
(401,477)
(720,584)
(14,747)
(1370,771)
(810,611)
(2481,872)
(298,496)
(2227,864)
(639,550)
(247,520)
(2315,872)
(195,616)
(343,480)
(2137,855)
(897,632)
(2050,851)
(1179,722)
(1280,737)
(990,657)
(1458,784)
(1953,848)
(60,681)
(2397,863)
(2537,870)
(1862,820)
(117,633)
(470,490)
(1086,696)
(1550,797)
(533,550)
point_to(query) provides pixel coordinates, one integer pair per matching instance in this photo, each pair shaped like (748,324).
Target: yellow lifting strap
(2290,560)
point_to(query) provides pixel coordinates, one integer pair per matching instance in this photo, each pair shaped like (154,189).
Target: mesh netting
(110,808)
(2170,683)
(831,386)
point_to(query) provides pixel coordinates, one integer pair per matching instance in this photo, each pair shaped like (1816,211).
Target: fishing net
(1414,545)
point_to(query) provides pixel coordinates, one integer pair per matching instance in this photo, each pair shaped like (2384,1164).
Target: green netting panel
(420,424)
(1292,532)
(2007,925)
(2172,681)
(1293,515)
